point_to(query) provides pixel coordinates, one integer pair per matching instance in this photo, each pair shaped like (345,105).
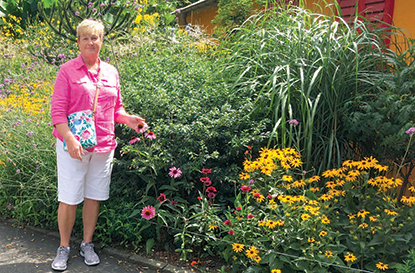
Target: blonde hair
(88,26)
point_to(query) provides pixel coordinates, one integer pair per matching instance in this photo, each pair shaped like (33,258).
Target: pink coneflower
(205,180)
(148,212)
(162,197)
(206,171)
(245,188)
(211,195)
(134,140)
(175,172)
(150,135)
(141,128)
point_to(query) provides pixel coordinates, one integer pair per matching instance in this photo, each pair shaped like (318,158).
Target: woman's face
(89,44)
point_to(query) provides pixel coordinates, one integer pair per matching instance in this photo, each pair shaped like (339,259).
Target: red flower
(211,189)
(205,180)
(227,222)
(231,232)
(199,198)
(206,171)
(238,208)
(250,216)
(193,263)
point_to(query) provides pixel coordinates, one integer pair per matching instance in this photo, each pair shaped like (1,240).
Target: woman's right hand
(74,146)
(75,149)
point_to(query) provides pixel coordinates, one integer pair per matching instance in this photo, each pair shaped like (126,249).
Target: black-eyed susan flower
(328,253)
(252,252)
(270,224)
(257,259)
(326,197)
(305,217)
(323,233)
(349,257)
(363,213)
(382,266)
(276,271)
(237,247)
(244,176)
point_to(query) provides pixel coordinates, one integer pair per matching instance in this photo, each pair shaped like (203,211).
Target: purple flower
(30,133)
(9,207)
(175,172)
(18,170)
(34,145)
(76,13)
(410,131)
(177,11)
(293,121)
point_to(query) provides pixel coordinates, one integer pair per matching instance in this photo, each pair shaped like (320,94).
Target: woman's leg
(66,220)
(89,217)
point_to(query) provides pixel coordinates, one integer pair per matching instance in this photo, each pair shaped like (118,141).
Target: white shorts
(89,178)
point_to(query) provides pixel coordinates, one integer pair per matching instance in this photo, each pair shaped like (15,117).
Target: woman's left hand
(137,123)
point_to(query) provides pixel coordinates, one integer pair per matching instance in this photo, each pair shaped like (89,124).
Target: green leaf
(149,245)
(48,3)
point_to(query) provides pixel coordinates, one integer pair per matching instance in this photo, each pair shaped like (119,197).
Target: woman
(84,175)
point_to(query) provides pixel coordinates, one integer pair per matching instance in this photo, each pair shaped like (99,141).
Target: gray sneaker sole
(83,255)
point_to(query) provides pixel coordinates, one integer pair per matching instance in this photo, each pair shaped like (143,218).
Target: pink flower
(141,128)
(410,131)
(211,195)
(245,188)
(162,197)
(134,140)
(175,172)
(250,216)
(206,171)
(238,208)
(150,135)
(231,232)
(18,171)
(86,135)
(227,222)
(206,180)
(293,121)
(148,212)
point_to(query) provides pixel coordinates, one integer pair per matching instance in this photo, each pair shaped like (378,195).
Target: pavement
(31,250)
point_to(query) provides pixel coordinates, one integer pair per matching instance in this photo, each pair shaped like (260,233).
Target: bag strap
(96,94)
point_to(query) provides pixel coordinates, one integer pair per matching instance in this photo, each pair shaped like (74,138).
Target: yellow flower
(349,257)
(305,217)
(261,223)
(237,247)
(328,253)
(382,266)
(298,184)
(287,178)
(252,252)
(315,178)
(244,176)
(280,222)
(314,189)
(271,224)
(276,271)
(326,197)
(325,220)
(257,259)
(362,213)
(213,226)
(323,233)
(348,163)
(363,225)
(296,162)
(311,240)
(391,212)
(273,206)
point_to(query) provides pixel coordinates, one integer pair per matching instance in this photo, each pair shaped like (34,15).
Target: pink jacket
(74,91)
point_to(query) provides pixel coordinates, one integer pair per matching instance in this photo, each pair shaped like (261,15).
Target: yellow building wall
(203,18)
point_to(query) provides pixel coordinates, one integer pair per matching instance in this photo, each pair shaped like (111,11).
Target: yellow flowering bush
(287,218)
